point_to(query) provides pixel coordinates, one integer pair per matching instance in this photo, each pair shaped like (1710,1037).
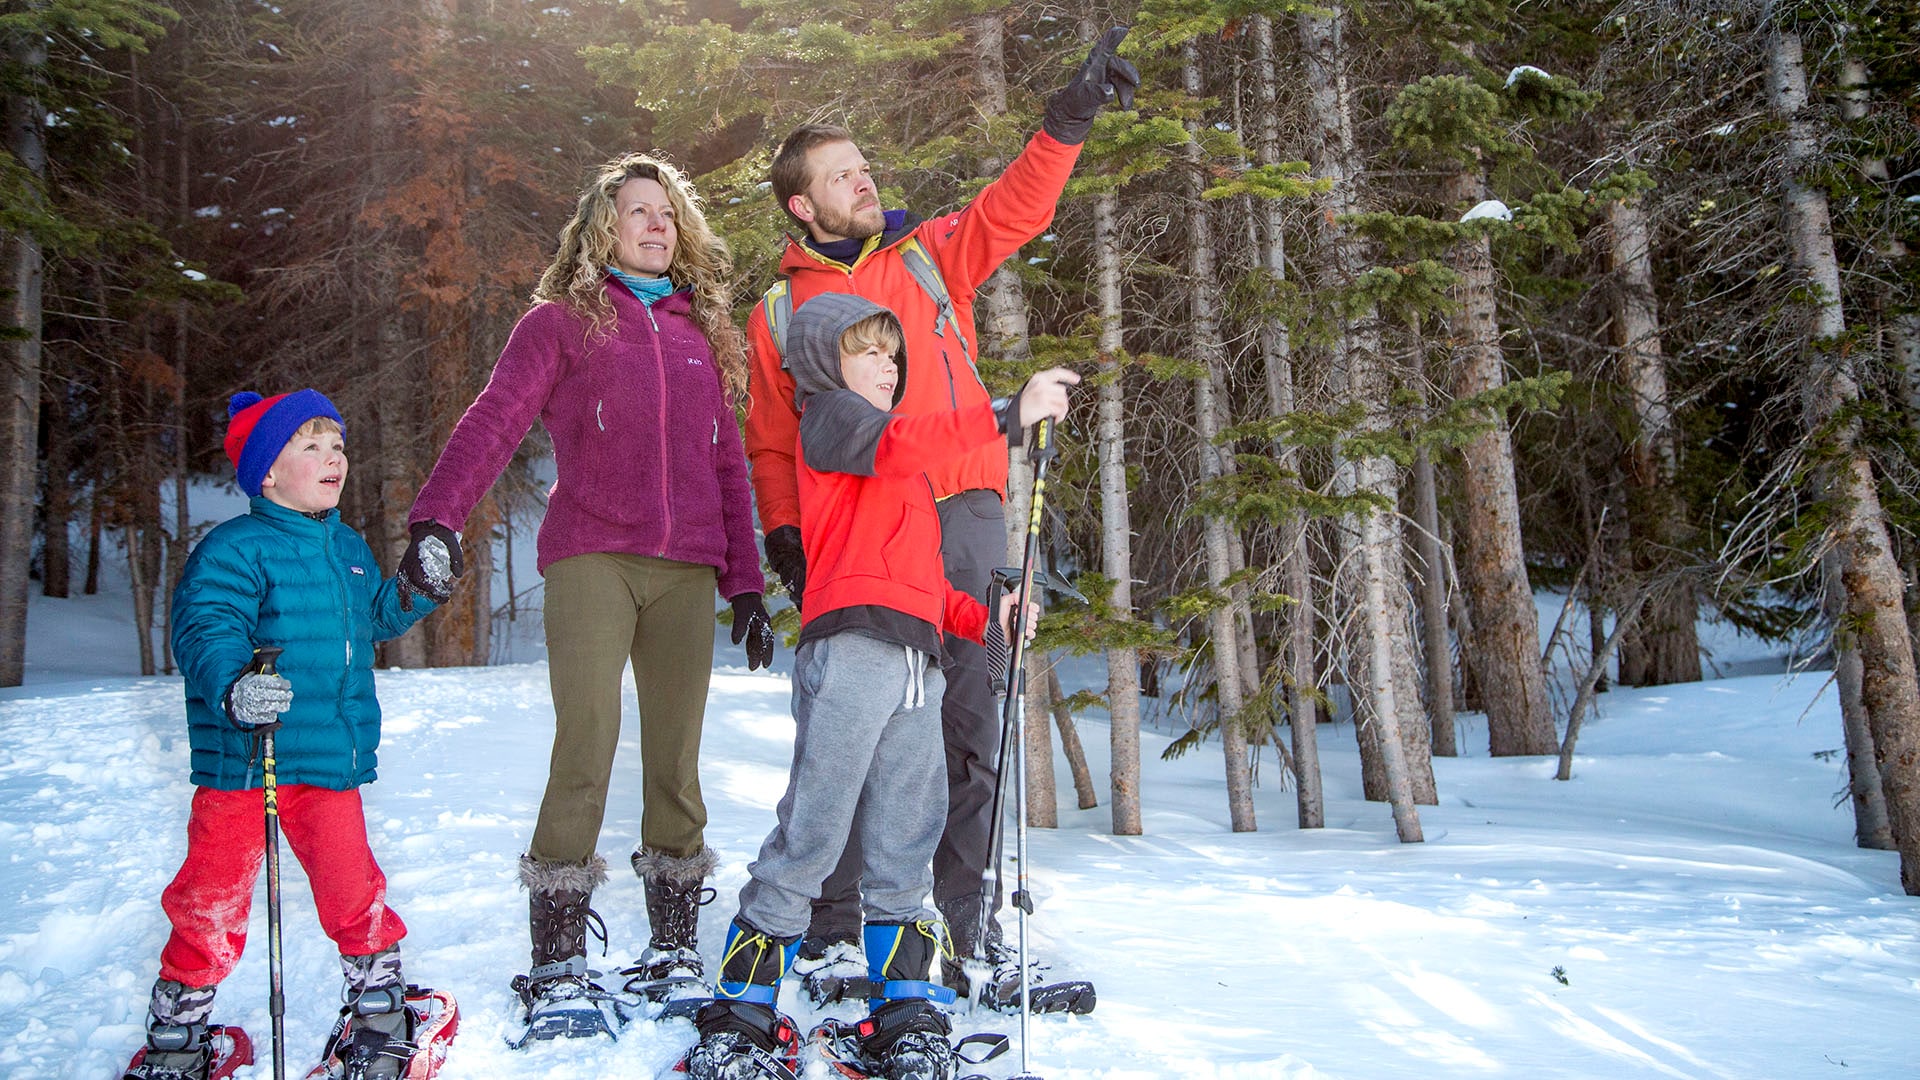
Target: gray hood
(813,344)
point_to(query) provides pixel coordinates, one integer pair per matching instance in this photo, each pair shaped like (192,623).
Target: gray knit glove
(256,699)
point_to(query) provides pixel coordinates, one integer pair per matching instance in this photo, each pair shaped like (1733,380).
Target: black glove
(431,563)
(789,560)
(1103,78)
(750,621)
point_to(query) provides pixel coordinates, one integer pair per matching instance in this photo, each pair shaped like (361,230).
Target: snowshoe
(996,985)
(835,971)
(225,1048)
(410,1044)
(907,1040)
(741,1041)
(668,983)
(567,1007)
(669,979)
(1075,996)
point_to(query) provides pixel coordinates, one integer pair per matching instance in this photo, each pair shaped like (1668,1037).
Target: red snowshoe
(435,1020)
(228,1048)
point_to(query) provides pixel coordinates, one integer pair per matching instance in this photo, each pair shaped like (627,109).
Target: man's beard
(855,225)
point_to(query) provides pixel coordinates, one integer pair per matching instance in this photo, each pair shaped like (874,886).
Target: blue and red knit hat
(258,429)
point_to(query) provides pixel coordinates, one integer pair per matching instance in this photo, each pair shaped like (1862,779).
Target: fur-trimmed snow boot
(561,998)
(670,968)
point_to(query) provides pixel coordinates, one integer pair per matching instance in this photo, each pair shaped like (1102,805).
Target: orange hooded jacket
(968,246)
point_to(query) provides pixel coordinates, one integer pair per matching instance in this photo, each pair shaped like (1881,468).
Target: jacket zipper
(346,676)
(666,501)
(953,395)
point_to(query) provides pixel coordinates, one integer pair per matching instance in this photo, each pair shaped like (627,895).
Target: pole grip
(265,657)
(1043,446)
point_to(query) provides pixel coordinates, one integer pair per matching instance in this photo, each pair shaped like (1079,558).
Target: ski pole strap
(997,651)
(980,1047)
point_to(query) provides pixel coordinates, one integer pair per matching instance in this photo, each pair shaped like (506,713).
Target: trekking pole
(979,972)
(264,659)
(1014,712)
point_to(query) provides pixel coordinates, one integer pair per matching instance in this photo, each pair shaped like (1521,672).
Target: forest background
(1393,312)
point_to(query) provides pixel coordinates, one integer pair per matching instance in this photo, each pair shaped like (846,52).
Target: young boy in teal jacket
(288,573)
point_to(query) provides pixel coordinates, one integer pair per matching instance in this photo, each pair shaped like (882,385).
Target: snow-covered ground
(1690,905)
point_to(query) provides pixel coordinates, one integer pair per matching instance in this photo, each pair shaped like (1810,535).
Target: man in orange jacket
(823,182)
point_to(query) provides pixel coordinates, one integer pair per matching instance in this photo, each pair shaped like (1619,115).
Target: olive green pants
(603,610)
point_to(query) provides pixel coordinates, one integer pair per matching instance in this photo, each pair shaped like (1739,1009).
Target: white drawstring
(916,679)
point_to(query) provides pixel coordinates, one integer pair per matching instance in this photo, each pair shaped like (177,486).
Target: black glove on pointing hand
(1103,78)
(750,621)
(431,562)
(789,560)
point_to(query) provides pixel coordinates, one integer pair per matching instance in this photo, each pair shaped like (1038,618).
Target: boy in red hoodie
(868,756)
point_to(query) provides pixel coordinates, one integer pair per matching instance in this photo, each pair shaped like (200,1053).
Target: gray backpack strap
(777,302)
(926,273)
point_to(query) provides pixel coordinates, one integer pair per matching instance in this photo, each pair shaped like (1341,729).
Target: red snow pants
(212,895)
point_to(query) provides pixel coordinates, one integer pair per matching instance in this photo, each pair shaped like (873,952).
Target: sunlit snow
(1696,885)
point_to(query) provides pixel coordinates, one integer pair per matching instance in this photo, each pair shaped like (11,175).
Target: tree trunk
(1902,329)
(1437,647)
(465,637)
(397,363)
(1002,297)
(1070,747)
(1370,550)
(1116,532)
(1043,809)
(1583,699)
(129,513)
(1875,622)
(96,527)
(1870,828)
(20,367)
(1493,567)
(1461,620)
(1596,636)
(1664,646)
(56,564)
(1276,349)
(182,516)
(1222,621)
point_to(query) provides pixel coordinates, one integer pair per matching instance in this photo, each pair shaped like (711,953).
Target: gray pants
(867,763)
(973,540)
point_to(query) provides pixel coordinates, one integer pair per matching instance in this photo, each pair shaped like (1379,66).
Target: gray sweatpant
(867,762)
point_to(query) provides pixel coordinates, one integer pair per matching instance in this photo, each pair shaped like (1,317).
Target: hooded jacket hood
(813,344)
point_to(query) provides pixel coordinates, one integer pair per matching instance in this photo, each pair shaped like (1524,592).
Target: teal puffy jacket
(279,577)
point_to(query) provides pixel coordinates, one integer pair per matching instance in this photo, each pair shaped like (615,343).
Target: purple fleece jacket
(647,449)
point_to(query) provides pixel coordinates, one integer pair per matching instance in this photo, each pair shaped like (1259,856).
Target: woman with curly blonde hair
(631,359)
